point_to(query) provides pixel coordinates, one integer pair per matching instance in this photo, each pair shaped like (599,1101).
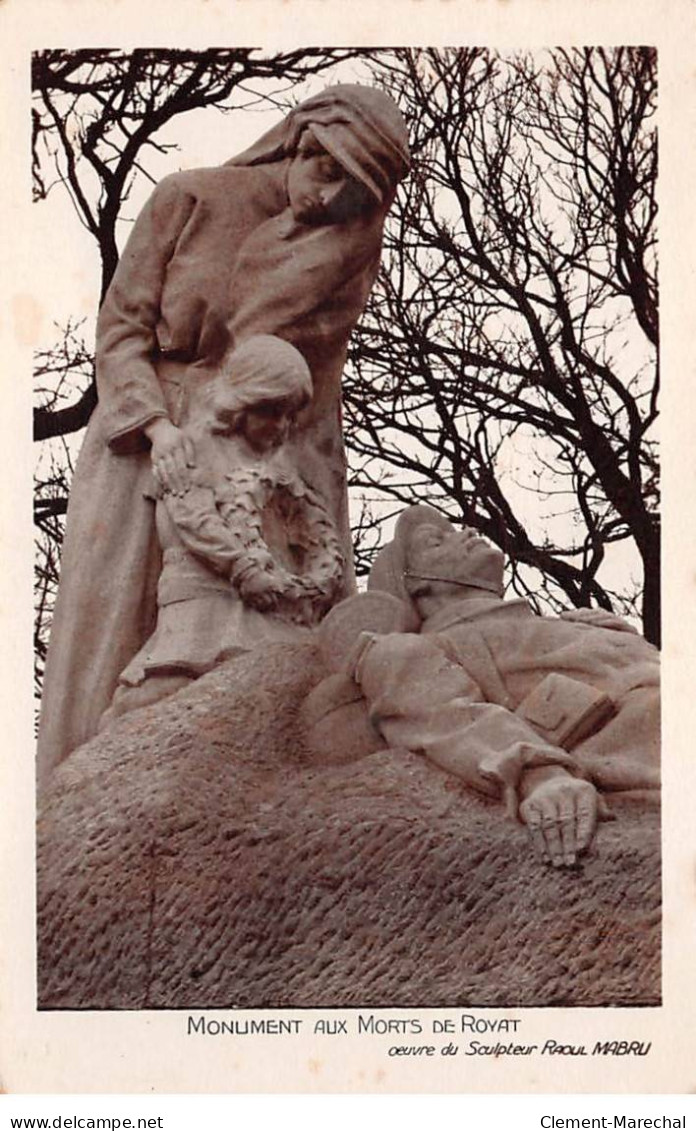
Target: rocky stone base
(199,856)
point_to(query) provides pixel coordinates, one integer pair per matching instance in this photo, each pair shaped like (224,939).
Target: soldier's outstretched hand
(561,815)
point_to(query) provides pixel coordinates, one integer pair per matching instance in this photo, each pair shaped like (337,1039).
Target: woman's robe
(214,257)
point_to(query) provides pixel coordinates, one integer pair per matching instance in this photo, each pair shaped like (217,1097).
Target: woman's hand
(561,814)
(173,454)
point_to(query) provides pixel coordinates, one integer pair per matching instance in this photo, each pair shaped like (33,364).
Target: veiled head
(320,190)
(348,149)
(362,129)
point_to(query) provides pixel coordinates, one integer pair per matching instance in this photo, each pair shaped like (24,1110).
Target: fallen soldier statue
(549,713)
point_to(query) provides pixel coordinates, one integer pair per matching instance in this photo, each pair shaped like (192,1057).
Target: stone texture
(199,855)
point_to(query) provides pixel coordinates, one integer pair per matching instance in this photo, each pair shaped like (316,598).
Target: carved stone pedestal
(198,856)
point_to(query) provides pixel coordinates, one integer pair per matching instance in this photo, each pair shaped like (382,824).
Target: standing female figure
(284,240)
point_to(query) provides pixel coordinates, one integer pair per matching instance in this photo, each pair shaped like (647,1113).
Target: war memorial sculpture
(260,788)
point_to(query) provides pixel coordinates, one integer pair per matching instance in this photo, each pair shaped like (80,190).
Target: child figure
(250,554)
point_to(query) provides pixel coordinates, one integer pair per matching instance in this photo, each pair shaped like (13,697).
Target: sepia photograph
(347,522)
(337,755)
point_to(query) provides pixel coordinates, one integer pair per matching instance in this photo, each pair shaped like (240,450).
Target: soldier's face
(460,556)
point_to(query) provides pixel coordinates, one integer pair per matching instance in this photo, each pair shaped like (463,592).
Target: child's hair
(262,370)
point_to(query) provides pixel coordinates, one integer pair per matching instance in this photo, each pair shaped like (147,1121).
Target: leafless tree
(516,312)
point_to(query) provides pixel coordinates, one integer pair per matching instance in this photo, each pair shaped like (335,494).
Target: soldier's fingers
(567,826)
(586,820)
(539,843)
(532,818)
(552,836)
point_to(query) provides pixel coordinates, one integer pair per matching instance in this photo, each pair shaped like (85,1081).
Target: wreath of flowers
(261,580)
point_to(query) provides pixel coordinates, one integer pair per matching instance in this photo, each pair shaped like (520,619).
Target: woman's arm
(129,391)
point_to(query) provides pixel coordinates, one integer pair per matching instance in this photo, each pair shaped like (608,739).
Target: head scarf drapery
(262,369)
(309,283)
(361,127)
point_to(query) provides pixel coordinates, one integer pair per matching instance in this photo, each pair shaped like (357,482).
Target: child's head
(260,388)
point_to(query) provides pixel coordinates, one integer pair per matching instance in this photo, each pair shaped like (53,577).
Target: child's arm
(202,529)
(205,533)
